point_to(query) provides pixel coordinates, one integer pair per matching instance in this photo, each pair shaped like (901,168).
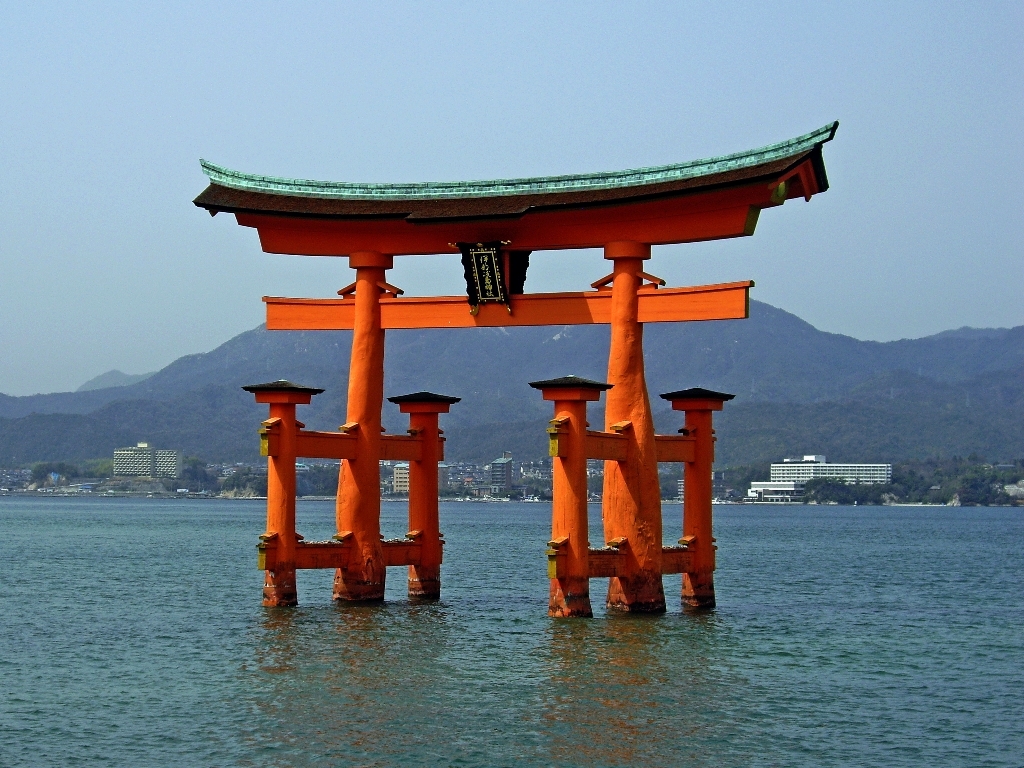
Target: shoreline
(405,500)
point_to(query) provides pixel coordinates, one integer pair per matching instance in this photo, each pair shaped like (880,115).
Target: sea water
(131,633)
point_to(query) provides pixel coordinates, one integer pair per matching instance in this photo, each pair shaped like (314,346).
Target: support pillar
(632,492)
(569,547)
(358,504)
(279,445)
(424,524)
(699,582)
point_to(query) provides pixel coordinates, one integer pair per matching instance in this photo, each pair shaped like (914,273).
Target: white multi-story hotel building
(142,460)
(811,467)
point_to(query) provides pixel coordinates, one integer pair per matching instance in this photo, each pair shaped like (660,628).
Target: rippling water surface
(132,634)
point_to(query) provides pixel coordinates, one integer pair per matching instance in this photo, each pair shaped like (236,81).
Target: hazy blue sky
(105,111)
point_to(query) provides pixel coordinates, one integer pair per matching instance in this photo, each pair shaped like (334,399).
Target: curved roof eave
(549,185)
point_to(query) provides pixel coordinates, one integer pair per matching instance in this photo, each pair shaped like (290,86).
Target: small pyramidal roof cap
(697,393)
(282,385)
(424,397)
(567,382)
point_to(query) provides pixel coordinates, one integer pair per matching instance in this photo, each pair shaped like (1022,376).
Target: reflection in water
(348,683)
(600,688)
(631,689)
(275,652)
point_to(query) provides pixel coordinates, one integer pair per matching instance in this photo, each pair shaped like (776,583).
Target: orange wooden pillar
(699,582)
(424,525)
(632,493)
(279,444)
(358,505)
(569,548)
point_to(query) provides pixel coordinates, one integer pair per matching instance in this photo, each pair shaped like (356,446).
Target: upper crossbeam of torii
(700,200)
(496,225)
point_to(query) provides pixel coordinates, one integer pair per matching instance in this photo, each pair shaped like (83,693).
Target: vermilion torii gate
(624,213)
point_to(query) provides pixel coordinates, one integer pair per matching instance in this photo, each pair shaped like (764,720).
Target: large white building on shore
(142,460)
(789,478)
(811,467)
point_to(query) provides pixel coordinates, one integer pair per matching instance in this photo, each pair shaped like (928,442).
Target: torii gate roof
(697,200)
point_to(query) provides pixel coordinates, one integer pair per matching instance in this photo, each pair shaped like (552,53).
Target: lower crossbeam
(608,562)
(311,555)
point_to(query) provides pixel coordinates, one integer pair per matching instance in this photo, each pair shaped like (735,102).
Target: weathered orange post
(569,548)
(632,493)
(279,445)
(424,526)
(699,580)
(358,505)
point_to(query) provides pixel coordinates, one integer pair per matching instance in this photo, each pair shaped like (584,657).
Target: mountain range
(113,378)
(798,390)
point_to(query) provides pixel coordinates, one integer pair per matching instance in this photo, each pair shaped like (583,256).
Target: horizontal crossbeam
(724,301)
(399,552)
(336,554)
(342,445)
(608,562)
(605,563)
(325,445)
(609,446)
(674,448)
(405,448)
(676,560)
(308,555)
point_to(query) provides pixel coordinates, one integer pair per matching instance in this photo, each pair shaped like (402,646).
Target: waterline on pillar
(624,594)
(279,589)
(698,592)
(571,603)
(349,590)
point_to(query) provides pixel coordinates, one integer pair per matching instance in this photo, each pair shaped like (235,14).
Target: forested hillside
(799,390)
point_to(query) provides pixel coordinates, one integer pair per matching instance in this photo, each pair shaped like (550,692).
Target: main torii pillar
(632,493)
(358,503)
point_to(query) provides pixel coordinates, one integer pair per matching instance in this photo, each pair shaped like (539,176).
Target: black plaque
(485,277)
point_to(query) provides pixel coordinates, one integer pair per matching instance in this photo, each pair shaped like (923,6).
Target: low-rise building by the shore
(776,492)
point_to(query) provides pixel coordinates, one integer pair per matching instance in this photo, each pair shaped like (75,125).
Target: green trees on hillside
(826,490)
(45,471)
(245,482)
(318,480)
(195,476)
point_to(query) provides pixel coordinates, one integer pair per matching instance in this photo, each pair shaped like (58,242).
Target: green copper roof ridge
(508,187)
